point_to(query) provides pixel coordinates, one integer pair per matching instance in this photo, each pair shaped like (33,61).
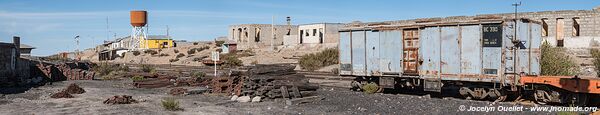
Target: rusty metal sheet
(345,48)
(390,53)
(410,51)
(372,53)
(358,53)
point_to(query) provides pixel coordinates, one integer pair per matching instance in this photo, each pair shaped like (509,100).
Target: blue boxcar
(471,51)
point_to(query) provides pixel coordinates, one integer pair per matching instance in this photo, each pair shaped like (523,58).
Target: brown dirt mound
(61,94)
(177,91)
(74,89)
(123,99)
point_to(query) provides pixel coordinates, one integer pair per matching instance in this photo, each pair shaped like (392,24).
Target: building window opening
(257,35)
(307,33)
(314,32)
(320,35)
(301,36)
(560,43)
(575,27)
(544,27)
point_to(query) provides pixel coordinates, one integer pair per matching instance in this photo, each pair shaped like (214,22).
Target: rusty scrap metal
(120,99)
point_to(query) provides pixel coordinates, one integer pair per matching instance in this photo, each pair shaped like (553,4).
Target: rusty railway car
(487,59)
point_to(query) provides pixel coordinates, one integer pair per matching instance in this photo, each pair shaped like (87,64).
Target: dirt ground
(335,101)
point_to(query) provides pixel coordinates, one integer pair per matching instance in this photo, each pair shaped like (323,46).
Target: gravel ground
(336,101)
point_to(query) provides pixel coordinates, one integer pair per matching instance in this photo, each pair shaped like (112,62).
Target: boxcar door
(410,51)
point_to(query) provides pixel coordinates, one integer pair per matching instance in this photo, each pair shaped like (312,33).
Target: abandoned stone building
(564,28)
(15,69)
(318,33)
(259,35)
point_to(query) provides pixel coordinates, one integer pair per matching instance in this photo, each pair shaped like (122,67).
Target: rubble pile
(66,93)
(74,89)
(61,94)
(69,70)
(120,99)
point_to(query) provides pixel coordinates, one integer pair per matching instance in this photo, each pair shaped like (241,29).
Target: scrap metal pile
(71,70)
(273,81)
(120,99)
(157,80)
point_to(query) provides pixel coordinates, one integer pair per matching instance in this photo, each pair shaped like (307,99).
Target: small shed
(229,46)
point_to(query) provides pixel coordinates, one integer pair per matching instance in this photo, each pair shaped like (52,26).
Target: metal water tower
(138,34)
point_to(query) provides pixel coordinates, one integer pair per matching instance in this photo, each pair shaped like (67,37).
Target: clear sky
(51,25)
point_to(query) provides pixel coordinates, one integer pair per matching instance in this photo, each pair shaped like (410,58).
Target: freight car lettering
(492,35)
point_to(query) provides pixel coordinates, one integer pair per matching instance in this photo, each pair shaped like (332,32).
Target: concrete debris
(234,97)
(123,99)
(256,99)
(243,99)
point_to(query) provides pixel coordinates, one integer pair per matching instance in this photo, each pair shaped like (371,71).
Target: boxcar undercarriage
(540,93)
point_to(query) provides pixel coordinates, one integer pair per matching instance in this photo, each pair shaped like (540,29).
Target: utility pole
(77,50)
(272,31)
(515,41)
(168,38)
(107,30)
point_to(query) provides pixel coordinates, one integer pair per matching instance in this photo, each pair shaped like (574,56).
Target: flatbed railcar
(487,59)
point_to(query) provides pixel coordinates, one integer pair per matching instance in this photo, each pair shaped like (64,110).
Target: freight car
(487,59)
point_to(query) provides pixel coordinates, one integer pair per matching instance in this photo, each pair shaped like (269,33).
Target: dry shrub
(175,50)
(555,61)
(596,59)
(315,61)
(191,51)
(219,43)
(136,53)
(370,88)
(198,74)
(163,54)
(230,60)
(180,55)
(174,60)
(170,104)
(148,68)
(151,52)
(104,69)
(137,78)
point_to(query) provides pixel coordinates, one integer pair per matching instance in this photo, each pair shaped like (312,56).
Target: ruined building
(250,36)
(15,69)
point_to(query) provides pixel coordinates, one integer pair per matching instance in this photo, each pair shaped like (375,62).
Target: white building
(319,33)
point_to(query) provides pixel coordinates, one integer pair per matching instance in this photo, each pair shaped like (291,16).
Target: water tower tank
(138,18)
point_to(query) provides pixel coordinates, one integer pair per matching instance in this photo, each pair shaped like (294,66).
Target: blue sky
(50,25)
